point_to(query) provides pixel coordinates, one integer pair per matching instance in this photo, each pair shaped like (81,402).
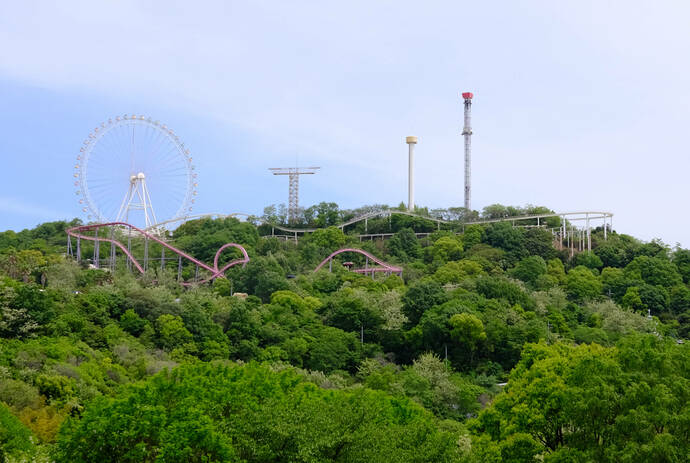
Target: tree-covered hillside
(494,346)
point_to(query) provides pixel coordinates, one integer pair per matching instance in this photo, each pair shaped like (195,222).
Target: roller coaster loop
(383,267)
(79,234)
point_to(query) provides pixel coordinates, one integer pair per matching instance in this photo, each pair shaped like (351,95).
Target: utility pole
(293,174)
(467,133)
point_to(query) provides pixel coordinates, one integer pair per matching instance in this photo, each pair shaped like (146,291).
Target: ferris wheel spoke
(172,168)
(119,144)
(135,153)
(172,165)
(164,150)
(160,141)
(172,153)
(109,145)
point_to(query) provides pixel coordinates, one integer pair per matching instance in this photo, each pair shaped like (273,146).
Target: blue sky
(579,105)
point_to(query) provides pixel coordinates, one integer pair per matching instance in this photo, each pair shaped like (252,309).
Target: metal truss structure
(137,198)
(467,134)
(293,174)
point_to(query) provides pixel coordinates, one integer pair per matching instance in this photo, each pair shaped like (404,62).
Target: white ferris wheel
(135,170)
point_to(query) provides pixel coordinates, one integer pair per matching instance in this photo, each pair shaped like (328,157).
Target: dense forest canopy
(495,345)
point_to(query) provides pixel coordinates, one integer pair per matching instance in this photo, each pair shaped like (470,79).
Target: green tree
(262,276)
(420,297)
(353,310)
(614,282)
(473,235)
(632,300)
(588,259)
(331,238)
(529,269)
(681,258)
(171,332)
(594,404)
(468,330)
(15,438)
(654,271)
(447,248)
(404,245)
(132,323)
(680,299)
(212,413)
(582,284)
(455,272)
(511,239)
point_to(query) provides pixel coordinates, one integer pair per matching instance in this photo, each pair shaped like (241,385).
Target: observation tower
(411,142)
(467,133)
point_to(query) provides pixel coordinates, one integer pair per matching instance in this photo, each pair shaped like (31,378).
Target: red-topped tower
(467,133)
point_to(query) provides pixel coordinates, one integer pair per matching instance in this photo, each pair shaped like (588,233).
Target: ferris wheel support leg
(122,214)
(149,204)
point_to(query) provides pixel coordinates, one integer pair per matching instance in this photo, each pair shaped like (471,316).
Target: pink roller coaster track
(383,266)
(78,233)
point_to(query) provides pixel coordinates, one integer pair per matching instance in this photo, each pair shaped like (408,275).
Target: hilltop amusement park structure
(135,180)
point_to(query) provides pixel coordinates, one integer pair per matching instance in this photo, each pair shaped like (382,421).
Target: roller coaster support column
(146,253)
(69,245)
(162,258)
(605,226)
(179,268)
(129,250)
(96,251)
(112,249)
(78,249)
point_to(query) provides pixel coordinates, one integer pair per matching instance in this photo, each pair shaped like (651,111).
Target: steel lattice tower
(293,174)
(467,133)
